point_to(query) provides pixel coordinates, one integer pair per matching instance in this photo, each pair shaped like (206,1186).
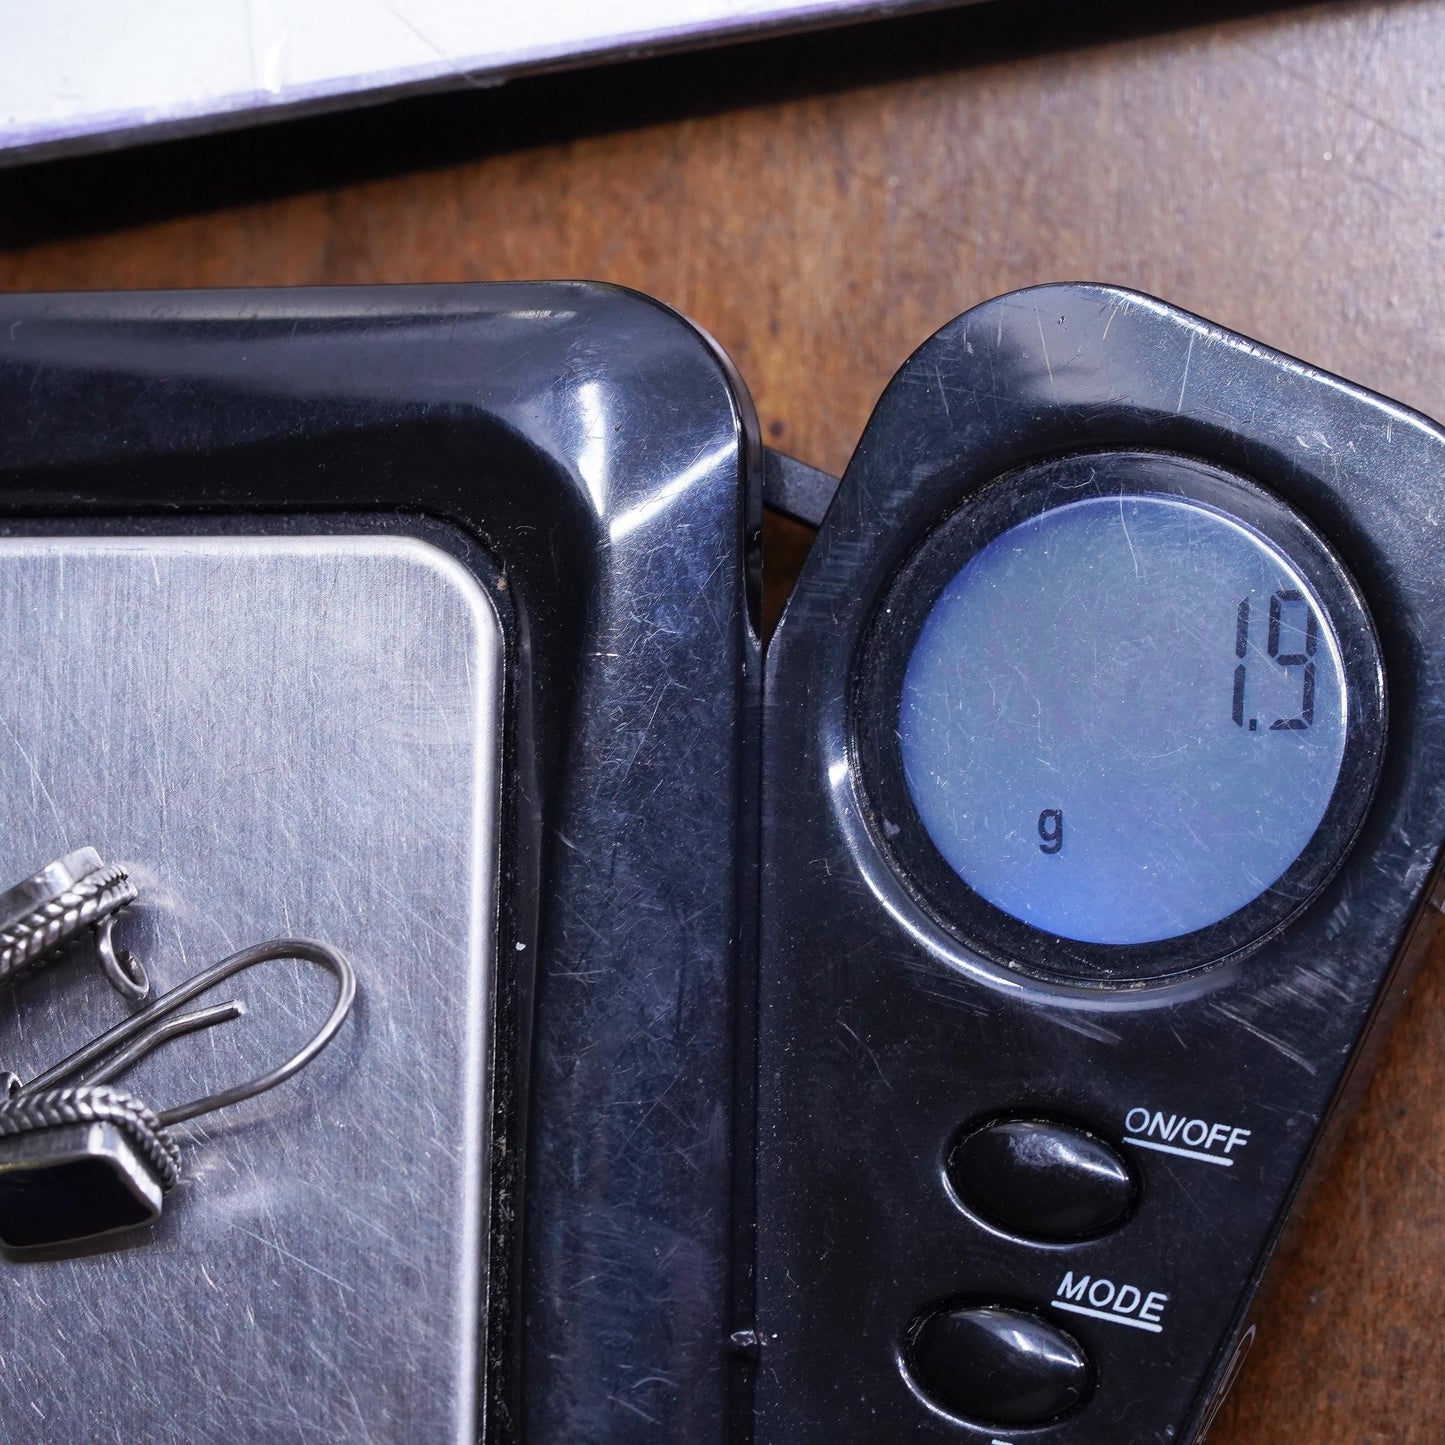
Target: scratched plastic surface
(883,1034)
(298,736)
(1123,719)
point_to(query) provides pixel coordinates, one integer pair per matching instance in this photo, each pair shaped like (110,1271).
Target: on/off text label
(1202,1139)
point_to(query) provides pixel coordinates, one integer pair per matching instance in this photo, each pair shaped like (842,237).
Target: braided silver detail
(28,943)
(97,1104)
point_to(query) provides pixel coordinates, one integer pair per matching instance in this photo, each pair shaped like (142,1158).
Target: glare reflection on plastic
(1123,719)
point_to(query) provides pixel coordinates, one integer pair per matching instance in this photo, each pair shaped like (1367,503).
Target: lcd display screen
(1124,718)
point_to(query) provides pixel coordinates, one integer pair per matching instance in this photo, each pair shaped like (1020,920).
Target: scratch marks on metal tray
(295,1258)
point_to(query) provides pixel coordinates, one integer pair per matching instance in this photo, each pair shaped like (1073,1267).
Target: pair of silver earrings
(77,1156)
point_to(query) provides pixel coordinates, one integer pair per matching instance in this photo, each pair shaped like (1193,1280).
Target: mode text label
(1119,1304)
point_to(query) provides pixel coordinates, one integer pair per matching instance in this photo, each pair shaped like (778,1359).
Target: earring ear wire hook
(121,1046)
(171,1028)
(125,972)
(44,915)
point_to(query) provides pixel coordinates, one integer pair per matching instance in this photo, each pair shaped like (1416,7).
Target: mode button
(998,1365)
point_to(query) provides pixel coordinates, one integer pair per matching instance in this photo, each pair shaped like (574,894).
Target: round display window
(1135,711)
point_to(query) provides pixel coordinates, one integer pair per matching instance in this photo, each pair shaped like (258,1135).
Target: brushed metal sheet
(275,735)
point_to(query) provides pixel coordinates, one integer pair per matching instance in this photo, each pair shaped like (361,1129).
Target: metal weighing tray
(277,735)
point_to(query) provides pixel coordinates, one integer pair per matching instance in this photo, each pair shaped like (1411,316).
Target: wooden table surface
(821,204)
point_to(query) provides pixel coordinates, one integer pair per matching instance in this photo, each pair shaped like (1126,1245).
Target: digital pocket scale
(924,1043)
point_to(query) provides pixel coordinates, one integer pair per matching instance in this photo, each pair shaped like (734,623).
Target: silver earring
(79,1158)
(41,917)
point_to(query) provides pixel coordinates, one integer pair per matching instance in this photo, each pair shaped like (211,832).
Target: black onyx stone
(71,1181)
(1042,1179)
(997,1365)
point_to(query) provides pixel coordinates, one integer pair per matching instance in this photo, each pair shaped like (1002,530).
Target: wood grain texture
(821,205)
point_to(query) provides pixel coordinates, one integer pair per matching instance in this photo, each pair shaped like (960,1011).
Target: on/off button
(1042,1179)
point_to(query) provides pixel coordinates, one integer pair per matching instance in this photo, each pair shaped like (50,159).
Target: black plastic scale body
(1027,1138)
(418,617)
(1043,1041)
